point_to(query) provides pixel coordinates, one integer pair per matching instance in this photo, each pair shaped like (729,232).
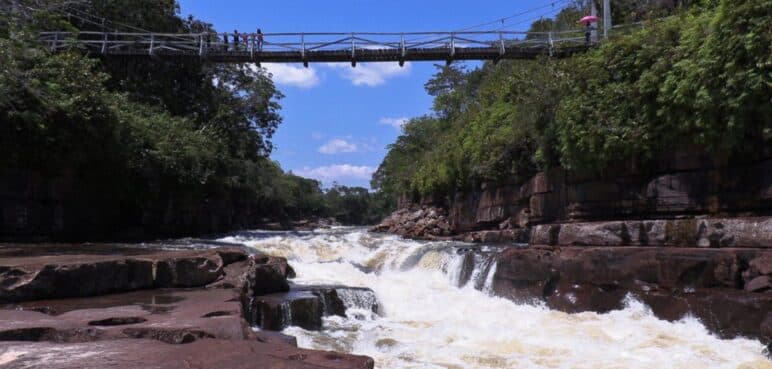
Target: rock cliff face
(681,187)
(684,237)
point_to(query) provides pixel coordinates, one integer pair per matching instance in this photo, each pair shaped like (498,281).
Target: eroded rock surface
(727,289)
(750,232)
(305,306)
(202,325)
(46,273)
(202,354)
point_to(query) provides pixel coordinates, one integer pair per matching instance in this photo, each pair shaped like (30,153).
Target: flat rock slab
(144,354)
(32,272)
(171,316)
(113,306)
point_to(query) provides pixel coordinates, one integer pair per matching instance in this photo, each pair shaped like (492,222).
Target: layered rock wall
(681,187)
(687,189)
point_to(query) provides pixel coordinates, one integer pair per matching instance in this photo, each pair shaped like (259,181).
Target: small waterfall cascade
(411,304)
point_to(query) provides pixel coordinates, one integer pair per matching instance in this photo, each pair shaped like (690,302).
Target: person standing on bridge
(235,40)
(259,40)
(588,21)
(225,40)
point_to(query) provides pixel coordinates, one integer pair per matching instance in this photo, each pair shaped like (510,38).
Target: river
(426,320)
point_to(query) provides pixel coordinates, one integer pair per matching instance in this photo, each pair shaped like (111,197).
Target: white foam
(426,321)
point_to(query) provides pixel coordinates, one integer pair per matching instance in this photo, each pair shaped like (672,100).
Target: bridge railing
(205,43)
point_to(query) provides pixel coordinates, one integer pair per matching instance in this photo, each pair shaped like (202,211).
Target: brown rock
(201,354)
(759,284)
(188,270)
(673,281)
(546,234)
(594,234)
(304,306)
(202,328)
(267,275)
(736,232)
(761,265)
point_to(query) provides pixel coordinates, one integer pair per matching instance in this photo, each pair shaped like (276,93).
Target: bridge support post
(55,42)
(303,49)
(104,43)
(402,51)
(353,51)
(201,45)
(551,44)
(606,17)
(502,49)
(452,45)
(594,12)
(152,44)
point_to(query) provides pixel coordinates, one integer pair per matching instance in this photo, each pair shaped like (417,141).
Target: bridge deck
(324,47)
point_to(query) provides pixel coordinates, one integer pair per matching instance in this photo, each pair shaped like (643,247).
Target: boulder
(266,275)
(305,306)
(546,234)
(188,270)
(759,284)
(426,222)
(759,266)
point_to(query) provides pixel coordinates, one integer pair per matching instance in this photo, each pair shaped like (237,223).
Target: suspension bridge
(305,48)
(326,47)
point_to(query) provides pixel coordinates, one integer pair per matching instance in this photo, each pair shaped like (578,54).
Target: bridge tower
(594,13)
(606,17)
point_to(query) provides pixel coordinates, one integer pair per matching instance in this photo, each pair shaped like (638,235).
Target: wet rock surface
(727,289)
(48,271)
(201,325)
(305,306)
(202,354)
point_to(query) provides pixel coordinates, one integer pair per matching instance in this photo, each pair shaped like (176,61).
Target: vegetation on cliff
(698,78)
(146,143)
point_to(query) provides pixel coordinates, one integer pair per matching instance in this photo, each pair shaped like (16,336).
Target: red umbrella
(588,19)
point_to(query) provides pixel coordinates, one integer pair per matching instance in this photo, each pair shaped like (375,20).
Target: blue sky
(338,120)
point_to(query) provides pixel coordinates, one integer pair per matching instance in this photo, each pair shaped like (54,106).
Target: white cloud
(394,122)
(298,76)
(336,172)
(337,145)
(370,74)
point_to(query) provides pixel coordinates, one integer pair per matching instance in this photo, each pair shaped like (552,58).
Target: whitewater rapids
(426,320)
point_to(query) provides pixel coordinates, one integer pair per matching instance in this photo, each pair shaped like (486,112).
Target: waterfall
(435,310)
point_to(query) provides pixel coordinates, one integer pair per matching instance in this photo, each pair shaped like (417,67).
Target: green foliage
(147,138)
(356,205)
(699,79)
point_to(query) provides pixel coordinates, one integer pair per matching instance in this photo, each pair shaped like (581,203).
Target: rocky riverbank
(687,238)
(94,306)
(716,269)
